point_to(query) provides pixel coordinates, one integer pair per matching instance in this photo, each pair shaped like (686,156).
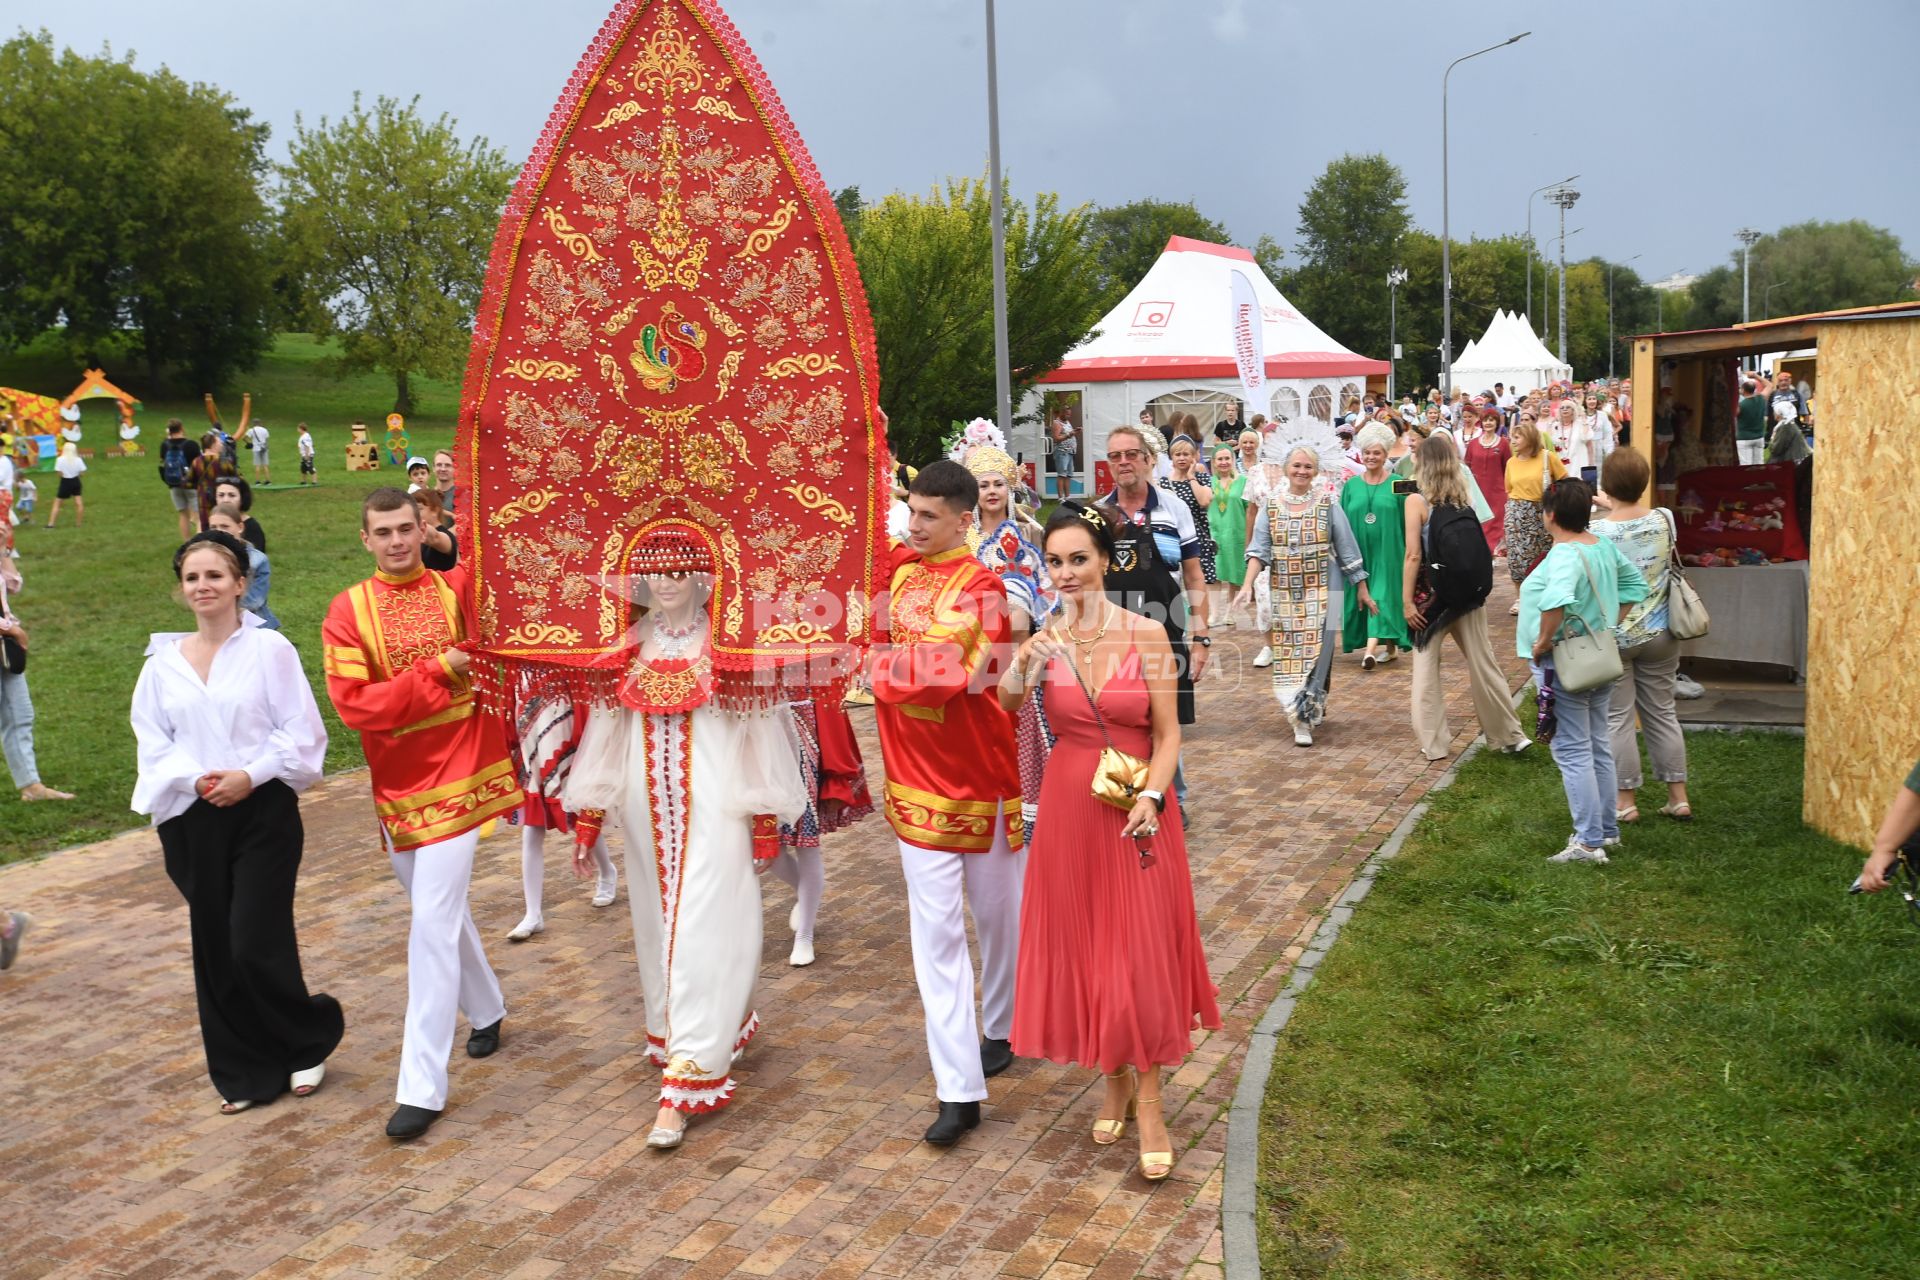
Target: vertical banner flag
(1249,345)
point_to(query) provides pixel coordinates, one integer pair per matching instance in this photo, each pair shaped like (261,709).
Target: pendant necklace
(675,641)
(1086,645)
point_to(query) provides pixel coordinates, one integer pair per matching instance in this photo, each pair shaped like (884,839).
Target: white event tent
(1509,353)
(1168,347)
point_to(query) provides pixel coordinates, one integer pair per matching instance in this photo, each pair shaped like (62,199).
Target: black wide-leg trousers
(236,868)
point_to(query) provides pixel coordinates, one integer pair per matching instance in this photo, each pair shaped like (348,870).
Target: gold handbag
(1118,778)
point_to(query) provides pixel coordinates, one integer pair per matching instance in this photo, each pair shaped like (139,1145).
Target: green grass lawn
(94,594)
(1701,1060)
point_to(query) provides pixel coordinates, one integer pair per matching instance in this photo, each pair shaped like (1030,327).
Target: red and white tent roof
(1177,323)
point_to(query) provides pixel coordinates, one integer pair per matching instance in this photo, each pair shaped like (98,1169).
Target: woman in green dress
(1227,519)
(1379,525)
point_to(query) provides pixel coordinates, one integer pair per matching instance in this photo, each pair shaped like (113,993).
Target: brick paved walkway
(114,1162)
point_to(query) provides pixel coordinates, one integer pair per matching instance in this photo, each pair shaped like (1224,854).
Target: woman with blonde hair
(1374,513)
(1532,467)
(71,467)
(1442,528)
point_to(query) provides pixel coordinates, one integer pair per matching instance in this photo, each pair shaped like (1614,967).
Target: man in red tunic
(440,770)
(953,787)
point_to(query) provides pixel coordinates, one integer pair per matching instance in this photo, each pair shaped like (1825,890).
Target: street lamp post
(1766,299)
(1610,267)
(1446,249)
(1531,250)
(1002,361)
(1396,277)
(1564,197)
(1746,236)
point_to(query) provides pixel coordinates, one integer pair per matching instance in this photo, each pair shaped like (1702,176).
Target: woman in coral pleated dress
(1111,973)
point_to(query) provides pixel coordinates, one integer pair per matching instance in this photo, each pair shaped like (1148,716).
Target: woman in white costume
(700,793)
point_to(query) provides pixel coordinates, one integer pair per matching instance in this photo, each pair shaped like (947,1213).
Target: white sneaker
(1606,842)
(604,889)
(527,928)
(1577,852)
(802,953)
(1302,735)
(1519,746)
(1264,658)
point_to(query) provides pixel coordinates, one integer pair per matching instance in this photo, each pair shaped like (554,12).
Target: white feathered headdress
(1303,432)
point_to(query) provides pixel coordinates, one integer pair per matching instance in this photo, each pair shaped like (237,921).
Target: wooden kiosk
(1863,689)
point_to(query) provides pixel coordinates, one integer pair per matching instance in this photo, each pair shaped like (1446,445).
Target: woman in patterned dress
(1192,486)
(1306,546)
(1006,539)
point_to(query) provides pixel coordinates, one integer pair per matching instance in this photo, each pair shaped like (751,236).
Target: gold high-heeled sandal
(1108,1132)
(1151,1160)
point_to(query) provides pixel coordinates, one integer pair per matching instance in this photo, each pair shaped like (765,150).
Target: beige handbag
(1686,613)
(1588,659)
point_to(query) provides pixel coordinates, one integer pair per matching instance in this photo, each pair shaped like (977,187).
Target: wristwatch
(1205,642)
(1159,799)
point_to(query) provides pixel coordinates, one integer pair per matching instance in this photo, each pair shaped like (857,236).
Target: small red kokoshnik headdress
(673,348)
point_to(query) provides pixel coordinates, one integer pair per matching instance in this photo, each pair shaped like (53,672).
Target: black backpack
(173,463)
(1459,563)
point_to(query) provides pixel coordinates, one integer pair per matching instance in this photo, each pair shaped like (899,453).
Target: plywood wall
(1863,637)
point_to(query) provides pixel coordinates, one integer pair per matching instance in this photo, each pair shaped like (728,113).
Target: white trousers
(1752,452)
(941,888)
(447,970)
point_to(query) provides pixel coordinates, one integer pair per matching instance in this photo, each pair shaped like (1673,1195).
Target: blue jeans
(16,730)
(1583,748)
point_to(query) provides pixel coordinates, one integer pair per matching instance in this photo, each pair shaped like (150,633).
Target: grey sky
(1236,104)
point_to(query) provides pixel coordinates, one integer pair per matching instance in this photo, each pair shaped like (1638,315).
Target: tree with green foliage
(927,264)
(1129,238)
(847,202)
(388,220)
(1353,223)
(1811,266)
(130,211)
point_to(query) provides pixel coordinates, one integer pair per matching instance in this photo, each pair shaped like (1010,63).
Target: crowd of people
(1030,683)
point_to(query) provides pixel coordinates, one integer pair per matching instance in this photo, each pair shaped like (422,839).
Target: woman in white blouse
(228,732)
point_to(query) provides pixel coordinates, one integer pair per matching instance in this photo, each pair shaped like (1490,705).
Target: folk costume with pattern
(953,799)
(701,794)
(440,769)
(1013,552)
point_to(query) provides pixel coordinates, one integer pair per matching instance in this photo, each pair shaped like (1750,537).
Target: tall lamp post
(1610,267)
(1446,249)
(1766,299)
(1002,362)
(1564,182)
(1396,277)
(1564,197)
(1746,236)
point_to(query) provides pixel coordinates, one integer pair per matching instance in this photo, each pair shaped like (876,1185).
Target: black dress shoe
(955,1119)
(995,1056)
(484,1041)
(410,1121)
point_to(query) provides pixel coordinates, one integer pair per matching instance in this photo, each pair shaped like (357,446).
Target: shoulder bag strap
(1595,588)
(1098,719)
